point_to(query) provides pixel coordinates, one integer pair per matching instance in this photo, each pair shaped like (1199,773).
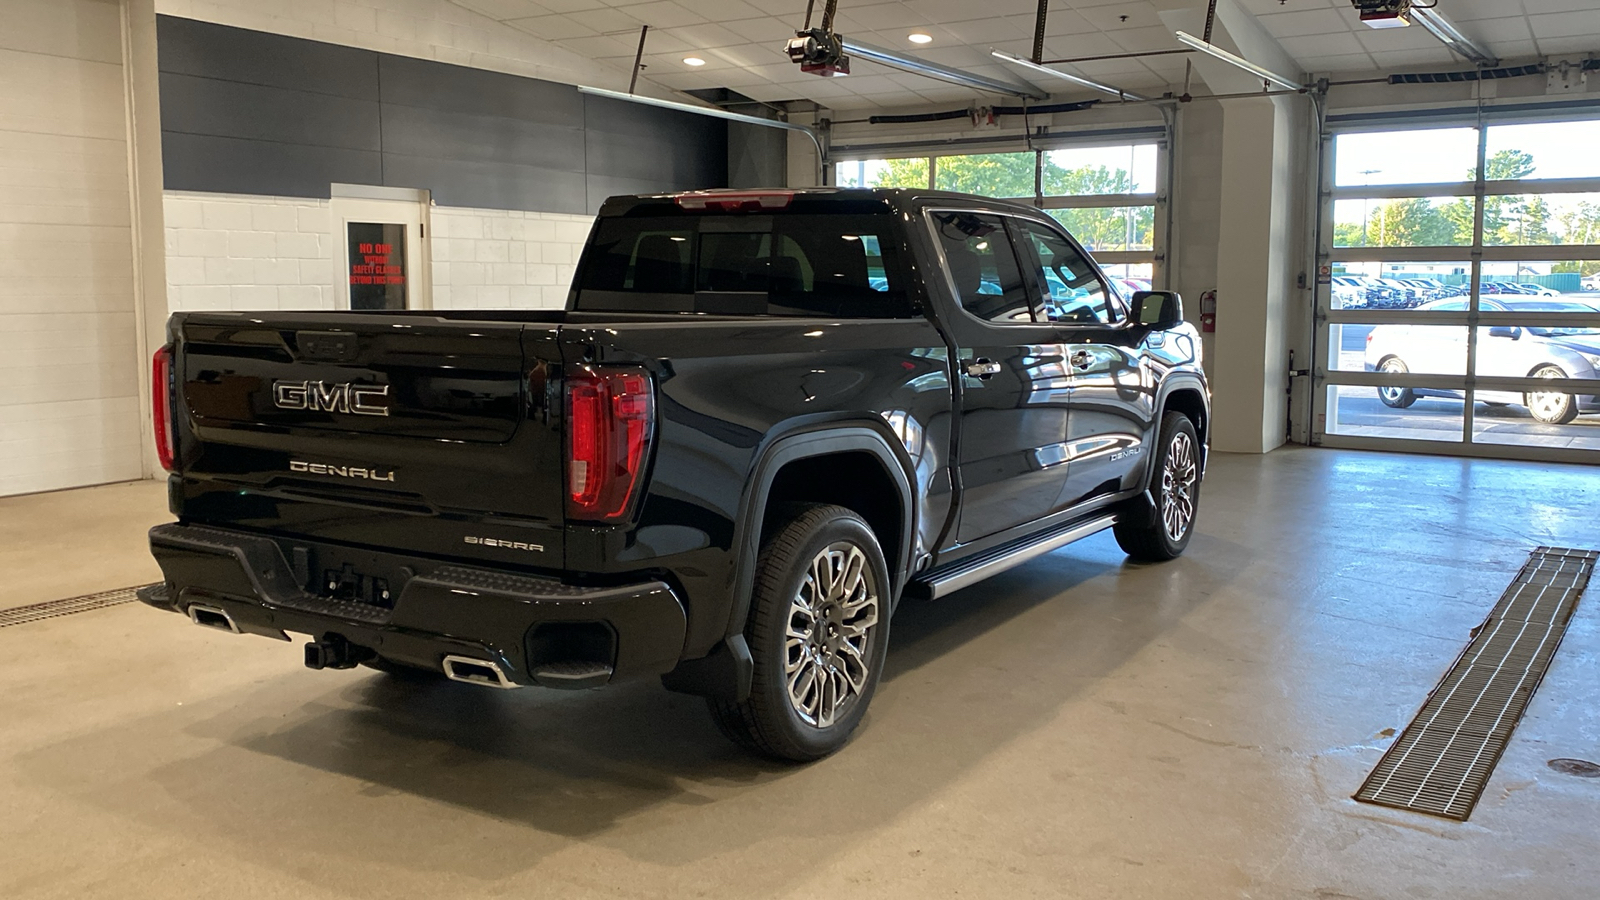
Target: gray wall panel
(192,105)
(253,113)
(420,82)
(188,47)
(489,185)
(415,131)
(197,162)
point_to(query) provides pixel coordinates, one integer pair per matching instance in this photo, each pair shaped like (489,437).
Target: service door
(1014,382)
(382,245)
(1112,405)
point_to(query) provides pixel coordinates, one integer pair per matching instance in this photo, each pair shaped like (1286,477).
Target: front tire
(1175,486)
(1396,397)
(818,631)
(1551,407)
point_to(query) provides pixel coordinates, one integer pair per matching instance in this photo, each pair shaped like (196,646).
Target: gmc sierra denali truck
(762,420)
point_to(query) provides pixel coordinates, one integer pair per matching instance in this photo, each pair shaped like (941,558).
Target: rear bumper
(442,610)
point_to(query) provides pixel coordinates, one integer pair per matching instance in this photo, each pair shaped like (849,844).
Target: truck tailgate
(403,431)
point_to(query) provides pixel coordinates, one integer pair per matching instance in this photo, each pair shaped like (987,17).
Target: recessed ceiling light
(693,61)
(917,37)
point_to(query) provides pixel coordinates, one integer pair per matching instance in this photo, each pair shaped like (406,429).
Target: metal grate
(25,614)
(1442,761)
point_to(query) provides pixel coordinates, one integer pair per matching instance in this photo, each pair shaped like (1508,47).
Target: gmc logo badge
(319,396)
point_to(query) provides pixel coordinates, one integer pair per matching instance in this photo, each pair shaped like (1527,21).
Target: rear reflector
(610,417)
(161,407)
(734,201)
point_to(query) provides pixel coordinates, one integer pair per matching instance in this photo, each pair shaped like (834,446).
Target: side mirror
(1157,310)
(1506,331)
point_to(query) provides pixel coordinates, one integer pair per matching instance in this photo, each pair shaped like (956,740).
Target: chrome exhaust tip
(481,672)
(212,617)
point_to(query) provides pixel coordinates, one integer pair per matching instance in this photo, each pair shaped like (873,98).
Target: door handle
(1080,359)
(983,368)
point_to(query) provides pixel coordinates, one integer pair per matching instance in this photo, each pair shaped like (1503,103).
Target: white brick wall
(499,259)
(236,252)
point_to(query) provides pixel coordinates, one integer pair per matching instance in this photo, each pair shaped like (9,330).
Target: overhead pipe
(1031,66)
(1233,59)
(712,111)
(923,67)
(1448,34)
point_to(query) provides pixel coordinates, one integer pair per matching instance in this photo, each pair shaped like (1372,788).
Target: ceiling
(742,41)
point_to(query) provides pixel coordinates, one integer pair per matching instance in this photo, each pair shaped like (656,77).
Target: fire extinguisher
(1208,312)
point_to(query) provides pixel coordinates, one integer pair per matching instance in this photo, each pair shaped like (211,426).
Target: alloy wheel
(832,618)
(1548,406)
(1178,477)
(1393,395)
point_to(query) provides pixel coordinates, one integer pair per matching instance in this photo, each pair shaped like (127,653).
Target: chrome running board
(967,572)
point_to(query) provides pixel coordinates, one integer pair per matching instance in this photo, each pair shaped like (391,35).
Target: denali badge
(509,545)
(357,399)
(360,473)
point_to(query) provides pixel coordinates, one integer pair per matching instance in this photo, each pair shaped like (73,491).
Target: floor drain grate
(1442,761)
(25,614)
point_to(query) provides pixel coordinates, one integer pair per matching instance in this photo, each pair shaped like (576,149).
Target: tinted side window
(1073,291)
(984,267)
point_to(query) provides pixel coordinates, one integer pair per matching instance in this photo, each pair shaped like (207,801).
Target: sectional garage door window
(1459,294)
(1105,194)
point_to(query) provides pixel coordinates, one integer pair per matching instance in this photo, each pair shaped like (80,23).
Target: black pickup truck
(763,419)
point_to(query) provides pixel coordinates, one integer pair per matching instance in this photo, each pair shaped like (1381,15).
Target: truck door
(1014,381)
(1111,395)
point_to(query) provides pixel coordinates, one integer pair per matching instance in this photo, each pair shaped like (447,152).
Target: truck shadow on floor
(443,777)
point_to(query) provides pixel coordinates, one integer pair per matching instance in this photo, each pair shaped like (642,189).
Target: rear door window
(845,266)
(983,265)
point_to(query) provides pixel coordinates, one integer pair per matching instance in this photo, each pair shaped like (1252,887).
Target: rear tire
(1396,397)
(818,630)
(1175,487)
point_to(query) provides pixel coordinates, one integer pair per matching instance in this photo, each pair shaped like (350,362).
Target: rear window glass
(841,266)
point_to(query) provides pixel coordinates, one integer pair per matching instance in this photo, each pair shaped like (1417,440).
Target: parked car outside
(1507,351)
(1539,290)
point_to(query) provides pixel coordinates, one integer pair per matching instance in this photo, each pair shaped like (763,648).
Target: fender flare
(806,441)
(1173,382)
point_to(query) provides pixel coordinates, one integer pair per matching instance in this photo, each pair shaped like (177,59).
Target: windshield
(844,266)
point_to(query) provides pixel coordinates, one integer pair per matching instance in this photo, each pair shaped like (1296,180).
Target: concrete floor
(1079,727)
(72,543)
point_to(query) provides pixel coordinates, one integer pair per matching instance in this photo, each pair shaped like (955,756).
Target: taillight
(161,407)
(610,416)
(736,201)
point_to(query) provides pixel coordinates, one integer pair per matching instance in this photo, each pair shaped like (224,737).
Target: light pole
(1366,204)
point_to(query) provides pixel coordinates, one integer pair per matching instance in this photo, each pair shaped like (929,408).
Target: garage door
(69,398)
(1460,301)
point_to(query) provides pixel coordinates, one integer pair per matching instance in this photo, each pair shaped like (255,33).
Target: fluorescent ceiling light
(933,70)
(693,61)
(1236,60)
(917,37)
(1032,66)
(716,112)
(1447,33)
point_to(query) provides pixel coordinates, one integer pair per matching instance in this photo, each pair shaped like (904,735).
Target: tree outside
(1011,175)
(1507,220)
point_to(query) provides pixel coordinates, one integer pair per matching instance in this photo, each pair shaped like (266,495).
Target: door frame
(409,207)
